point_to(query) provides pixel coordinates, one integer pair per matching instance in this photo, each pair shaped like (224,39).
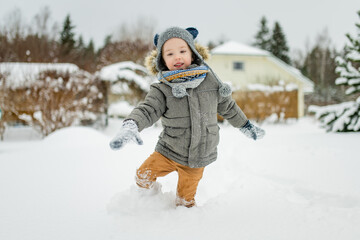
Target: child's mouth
(178,65)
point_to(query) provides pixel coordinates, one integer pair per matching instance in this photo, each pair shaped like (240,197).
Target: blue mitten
(252,131)
(129,131)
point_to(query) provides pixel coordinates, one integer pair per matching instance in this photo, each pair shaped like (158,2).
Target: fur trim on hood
(151,58)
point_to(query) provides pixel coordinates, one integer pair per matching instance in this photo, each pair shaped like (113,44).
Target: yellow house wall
(256,69)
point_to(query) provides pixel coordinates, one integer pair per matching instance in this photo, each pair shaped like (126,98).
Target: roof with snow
(236,48)
(20,74)
(308,84)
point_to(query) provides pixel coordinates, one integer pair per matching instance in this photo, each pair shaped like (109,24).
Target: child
(187,98)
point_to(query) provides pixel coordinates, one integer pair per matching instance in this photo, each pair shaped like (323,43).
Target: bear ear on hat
(156,38)
(193,31)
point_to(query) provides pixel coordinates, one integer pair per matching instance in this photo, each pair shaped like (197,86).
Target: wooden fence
(259,105)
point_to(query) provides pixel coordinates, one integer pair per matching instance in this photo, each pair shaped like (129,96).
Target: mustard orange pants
(157,165)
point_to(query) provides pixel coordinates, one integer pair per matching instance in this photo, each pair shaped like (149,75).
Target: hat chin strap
(179,91)
(225,90)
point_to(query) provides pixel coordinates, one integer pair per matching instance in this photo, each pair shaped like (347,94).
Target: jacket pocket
(176,139)
(212,138)
(174,132)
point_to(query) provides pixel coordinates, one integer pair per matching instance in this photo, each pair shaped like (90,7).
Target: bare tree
(142,29)
(28,43)
(125,50)
(319,65)
(14,27)
(41,22)
(130,43)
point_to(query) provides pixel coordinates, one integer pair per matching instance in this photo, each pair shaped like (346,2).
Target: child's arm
(228,108)
(149,111)
(144,115)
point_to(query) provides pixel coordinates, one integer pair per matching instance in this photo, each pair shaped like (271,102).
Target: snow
(337,117)
(121,108)
(347,72)
(275,88)
(351,90)
(355,81)
(354,56)
(341,80)
(297,183)
(337,108)
(24,74)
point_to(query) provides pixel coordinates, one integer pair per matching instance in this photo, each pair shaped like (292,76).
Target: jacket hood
(150,60)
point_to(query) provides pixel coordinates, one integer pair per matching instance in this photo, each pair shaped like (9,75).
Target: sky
(302,21)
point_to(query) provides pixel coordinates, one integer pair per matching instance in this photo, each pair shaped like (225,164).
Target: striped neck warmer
(180,80)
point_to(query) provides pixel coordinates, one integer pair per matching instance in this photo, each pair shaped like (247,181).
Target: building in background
(247,68)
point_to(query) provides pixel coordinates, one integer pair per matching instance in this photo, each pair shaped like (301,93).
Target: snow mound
(136,201)
(121,108)
(297,183)
(76,136)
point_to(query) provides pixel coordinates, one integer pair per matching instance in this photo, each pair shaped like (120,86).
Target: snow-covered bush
(345,117)
(52,99)
(128,82)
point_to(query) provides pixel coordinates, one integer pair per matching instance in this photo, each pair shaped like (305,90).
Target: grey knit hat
(188,35)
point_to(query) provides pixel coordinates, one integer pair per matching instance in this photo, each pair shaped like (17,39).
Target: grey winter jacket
(191,133)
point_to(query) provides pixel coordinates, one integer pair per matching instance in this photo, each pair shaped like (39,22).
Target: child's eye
(183,51)
(169,54)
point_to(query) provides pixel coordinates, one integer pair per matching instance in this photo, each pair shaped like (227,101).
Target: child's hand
(252,131)
(129,131)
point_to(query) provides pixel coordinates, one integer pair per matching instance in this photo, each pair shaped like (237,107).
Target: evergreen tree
(80,43)
(107,40)
(67,35)
(278,44)
(345,117)
(89,57)
(262,38)
(90,49)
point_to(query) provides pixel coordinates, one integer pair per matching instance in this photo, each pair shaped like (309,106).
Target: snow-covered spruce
(344,117)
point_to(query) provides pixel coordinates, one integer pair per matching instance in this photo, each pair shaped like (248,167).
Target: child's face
(176,54)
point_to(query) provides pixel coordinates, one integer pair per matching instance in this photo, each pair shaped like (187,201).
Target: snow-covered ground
(297,183)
